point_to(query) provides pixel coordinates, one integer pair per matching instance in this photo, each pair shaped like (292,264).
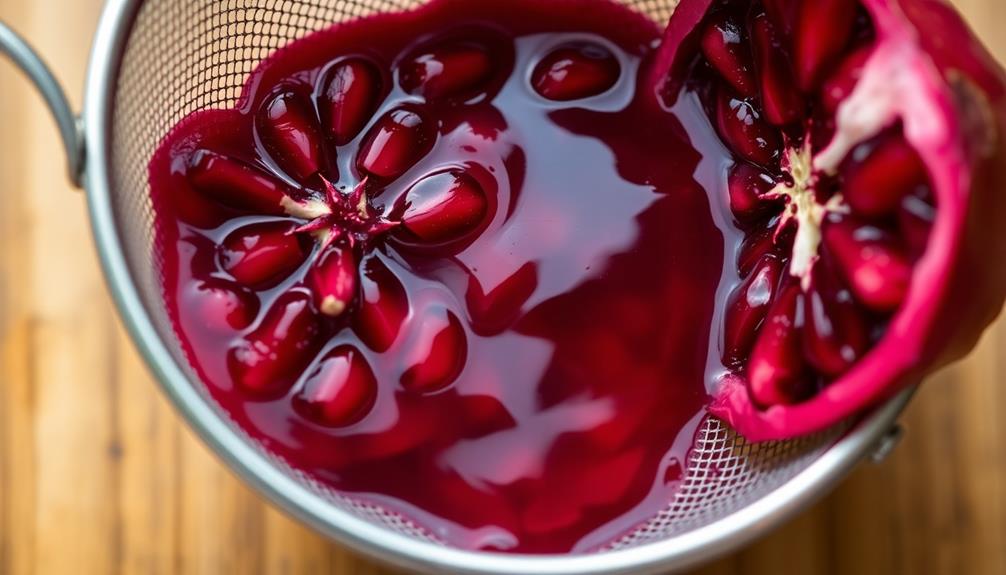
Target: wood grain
(98,475)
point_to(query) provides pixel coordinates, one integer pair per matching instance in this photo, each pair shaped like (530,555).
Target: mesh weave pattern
(188,55)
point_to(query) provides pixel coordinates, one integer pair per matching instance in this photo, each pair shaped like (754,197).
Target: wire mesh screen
(188,55)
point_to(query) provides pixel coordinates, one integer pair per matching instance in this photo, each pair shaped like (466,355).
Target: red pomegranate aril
(289,132)
(841,83)
(836,334)
(575,72)
(747,186)
(269,360)
(756,246)
(725,47)
(822,32)
(915,220)
(260,255)
(437,352)
(782,13)
(777,371)
(223,307)
(880,173)
(235,184)
(443,207)
(781,102)
(399,139)
(383,308)
(446,71)
(349,97)
(745,131)
(340,391)
(748,307)
(875,266)
(333,280)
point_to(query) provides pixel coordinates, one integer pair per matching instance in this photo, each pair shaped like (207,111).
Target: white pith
(326,226)
(888,80)
(311,210)
(803,207)
(333,306)
(306,210)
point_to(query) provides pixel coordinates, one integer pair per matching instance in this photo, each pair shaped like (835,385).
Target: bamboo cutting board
(98,475)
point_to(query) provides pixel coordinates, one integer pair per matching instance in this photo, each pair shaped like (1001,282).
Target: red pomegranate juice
(454,262)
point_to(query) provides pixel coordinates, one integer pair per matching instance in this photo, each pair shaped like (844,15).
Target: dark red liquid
(579,397)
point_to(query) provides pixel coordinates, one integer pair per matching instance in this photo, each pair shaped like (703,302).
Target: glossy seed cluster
(326,232)
(829,254)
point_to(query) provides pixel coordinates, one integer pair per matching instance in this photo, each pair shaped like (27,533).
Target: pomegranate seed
(782,103)
(260,255)
(269,360)
(880,173)
(437,353)
(340,391)
(748,307)
(747,185)
(843,80)
(288,130)
(836,334)
(874,265)
(384,306)
(446,71)
(758,245)
(725,47)
(333,280)
(235,184)
(915,220)
(443,207)
(398,140)
(574,72)
(349,97)
(223,307)
(822,33)
(777,371)
(495,311)
(782,13)
(745,132)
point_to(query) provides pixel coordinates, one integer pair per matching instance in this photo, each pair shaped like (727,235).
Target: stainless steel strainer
(156,61)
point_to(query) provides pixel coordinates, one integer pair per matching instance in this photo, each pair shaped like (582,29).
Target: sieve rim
(253,467)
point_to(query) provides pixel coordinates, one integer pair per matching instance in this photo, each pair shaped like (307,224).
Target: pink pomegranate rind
(928,72)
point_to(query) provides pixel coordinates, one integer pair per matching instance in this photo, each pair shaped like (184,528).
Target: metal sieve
(156,61)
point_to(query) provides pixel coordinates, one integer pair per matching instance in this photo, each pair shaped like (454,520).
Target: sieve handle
(15,47)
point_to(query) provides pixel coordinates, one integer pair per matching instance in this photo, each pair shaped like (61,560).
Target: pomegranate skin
(928,71)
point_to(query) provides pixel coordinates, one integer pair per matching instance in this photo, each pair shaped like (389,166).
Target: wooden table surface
(98,474)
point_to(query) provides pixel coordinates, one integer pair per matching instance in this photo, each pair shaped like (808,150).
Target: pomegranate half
(869,182)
